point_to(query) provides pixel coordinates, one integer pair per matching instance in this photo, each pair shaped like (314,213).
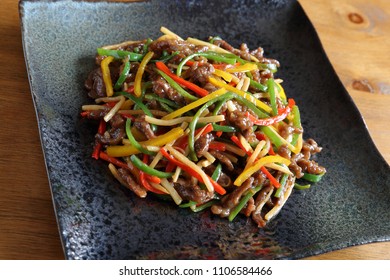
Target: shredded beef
(173,45)
(230,201)
(199,73)
(188,191)
(257,215)
(164,90)
(302,162)
(223,159)
(95,85)
(131,183)
(115,134)
(202,144)
(239,119)
(144,127)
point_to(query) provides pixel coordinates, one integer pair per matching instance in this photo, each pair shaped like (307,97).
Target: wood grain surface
(355,35)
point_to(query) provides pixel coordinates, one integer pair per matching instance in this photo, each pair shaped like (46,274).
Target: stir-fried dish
(199,122)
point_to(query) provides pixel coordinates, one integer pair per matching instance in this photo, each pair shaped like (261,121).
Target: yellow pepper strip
(224,75)
(257,165)
(140,72)
(298,146)
(291,147)
(282,94)
(194,104)
(247,67)
(106,74)
(247,96)
(161,140)
(127,105)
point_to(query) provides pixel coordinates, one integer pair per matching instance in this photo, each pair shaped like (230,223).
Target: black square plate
(100,220)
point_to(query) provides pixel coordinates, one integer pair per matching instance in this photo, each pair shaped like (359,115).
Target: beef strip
(230,201)
(144,127)
(258,216)
(199,73)
(202,144)
(223,159)
(188,191)
(95,85)
(131,183)
(115,134)
(163,89)
(301,162)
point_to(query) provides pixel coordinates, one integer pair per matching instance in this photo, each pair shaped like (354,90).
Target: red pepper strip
(130,89)
(113,160)
(96,150)
(282,114)
(206,129)
(85,113)
(151,178)
(170,167)
(270,177)
(143,178)
(110,104)
(198,90)
(217,146)
(237,141)
(223,66)
(98,146)
(217,187)
(261,136)
(127,116)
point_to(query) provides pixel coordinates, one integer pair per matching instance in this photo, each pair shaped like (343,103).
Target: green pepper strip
(251,106)
(218,127)
(146,46)
(271,136)
(243,202)
(166,107)
(209,55)
(166,57)
(272,96)
(314,178)
(217,172)
(296,123)
(301,187)
(151,96)
(145,168)
(134,142)
(270,66)
(120,54)
(204,206)
(223,128)
(188,204)
(218,107)
(192,125)
(177,87)
(258,85)
(236,57)
(139,103)
(283,181)
(214,38)
(123,75)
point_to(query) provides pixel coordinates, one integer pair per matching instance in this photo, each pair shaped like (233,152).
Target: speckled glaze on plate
(100,220)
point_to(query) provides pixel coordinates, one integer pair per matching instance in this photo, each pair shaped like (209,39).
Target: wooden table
(355,35)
